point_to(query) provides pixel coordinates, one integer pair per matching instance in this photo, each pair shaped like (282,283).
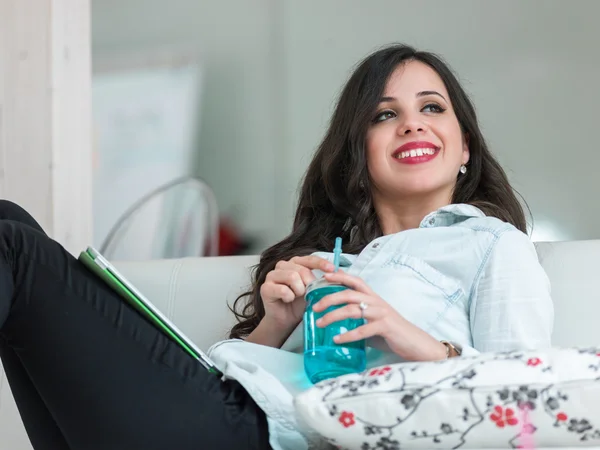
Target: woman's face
(415,145)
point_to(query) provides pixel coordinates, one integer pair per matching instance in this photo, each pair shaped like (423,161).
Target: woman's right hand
(284,288)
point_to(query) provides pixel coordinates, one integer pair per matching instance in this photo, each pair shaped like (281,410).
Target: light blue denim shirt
(461,276)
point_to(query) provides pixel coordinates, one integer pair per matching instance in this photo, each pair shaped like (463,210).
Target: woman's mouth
(416,155)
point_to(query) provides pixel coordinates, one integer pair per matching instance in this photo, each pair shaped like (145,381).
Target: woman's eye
(433,107)
(384,115)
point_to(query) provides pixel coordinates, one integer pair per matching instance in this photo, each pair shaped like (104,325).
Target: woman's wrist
(415,344)
(439,352)
(270,333)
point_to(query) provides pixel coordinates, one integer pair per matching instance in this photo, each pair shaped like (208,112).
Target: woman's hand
(284,288)
(404,338)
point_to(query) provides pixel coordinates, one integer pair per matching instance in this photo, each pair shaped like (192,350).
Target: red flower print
(561,417)
(381,371)
(347,419)
(503,417)
(534,362)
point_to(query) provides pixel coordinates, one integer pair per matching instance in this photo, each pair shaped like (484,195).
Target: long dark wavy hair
(335,197)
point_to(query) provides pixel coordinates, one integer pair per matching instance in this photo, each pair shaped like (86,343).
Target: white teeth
(416,152)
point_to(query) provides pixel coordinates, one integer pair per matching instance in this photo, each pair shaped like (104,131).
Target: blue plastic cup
(323,358)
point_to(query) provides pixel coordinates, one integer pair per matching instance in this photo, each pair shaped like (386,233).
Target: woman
(404,152)
(435,254)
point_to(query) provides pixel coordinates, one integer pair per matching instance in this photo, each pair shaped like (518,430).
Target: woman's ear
(466,152)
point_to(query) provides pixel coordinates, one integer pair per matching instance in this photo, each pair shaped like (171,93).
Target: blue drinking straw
(337,251)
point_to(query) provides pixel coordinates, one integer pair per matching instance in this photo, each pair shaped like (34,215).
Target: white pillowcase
(496,400)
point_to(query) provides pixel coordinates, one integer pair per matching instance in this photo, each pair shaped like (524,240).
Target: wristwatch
(452,346)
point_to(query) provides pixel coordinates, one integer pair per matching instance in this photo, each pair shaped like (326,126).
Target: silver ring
(363,306)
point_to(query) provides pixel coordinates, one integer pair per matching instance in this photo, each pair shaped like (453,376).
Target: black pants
(88,372)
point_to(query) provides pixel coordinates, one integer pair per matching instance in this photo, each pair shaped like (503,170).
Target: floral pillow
(497,400)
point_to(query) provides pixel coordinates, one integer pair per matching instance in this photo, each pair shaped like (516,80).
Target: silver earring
(463,169)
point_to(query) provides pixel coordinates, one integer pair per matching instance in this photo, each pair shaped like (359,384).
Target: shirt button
(431,221)
(375,245)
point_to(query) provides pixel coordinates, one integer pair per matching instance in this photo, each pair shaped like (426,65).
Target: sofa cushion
(496,400)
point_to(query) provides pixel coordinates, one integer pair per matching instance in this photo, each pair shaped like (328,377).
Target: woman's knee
(11,211)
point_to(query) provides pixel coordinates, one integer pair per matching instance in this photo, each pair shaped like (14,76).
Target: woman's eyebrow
(419,94)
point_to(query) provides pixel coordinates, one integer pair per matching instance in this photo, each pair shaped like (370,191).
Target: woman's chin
(421,190)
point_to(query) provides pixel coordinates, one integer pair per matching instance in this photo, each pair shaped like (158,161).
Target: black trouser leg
(88,372)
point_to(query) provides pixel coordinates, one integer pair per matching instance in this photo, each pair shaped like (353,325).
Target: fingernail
(319,321)
(336,338)
(329,266)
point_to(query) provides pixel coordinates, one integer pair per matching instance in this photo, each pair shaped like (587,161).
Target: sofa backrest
(196,292)
(573,269)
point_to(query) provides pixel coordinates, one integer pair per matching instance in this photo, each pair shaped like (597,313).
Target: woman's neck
(408,214)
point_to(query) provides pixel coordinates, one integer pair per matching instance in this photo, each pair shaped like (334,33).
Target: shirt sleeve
(511,306)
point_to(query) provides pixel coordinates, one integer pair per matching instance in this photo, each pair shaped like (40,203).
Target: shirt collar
(450,214)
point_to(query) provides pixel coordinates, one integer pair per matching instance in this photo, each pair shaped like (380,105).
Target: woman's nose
(410,125)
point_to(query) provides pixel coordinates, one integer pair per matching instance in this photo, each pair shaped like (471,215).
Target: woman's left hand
(404,338)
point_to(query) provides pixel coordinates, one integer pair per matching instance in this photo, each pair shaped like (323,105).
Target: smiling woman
(437,261)
(364,182)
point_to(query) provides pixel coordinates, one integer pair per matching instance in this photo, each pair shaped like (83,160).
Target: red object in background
(230,240)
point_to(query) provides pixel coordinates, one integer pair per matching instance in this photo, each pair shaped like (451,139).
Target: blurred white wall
(274,69)
(235,40)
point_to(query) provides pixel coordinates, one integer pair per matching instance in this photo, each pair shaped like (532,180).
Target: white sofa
(195,292)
